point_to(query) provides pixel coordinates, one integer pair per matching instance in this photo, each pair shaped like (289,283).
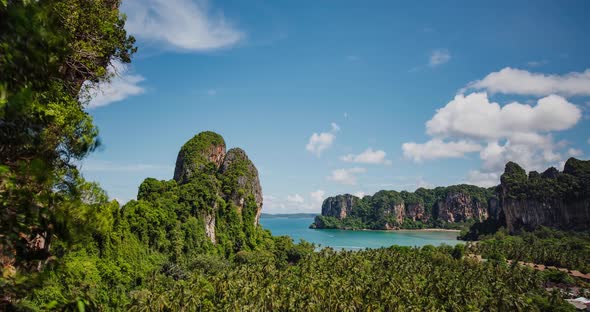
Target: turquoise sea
(298,228)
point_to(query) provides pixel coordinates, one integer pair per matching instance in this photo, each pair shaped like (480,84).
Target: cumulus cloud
(317,196)
(346,176)
(121,85)
(369,156)
(522,82)
(437,148)
(475,116)
(319,142)
(297,199)
(181,24)
(295,203)
(439,57)
(483,179)
(514,132)
(574,152)
(360,194)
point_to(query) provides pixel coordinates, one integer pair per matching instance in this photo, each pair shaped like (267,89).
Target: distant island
(287,215)
(555,199)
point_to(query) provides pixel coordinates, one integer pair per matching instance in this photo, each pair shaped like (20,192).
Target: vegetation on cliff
(570,185)
(191,243)
(539,214)
(407,210)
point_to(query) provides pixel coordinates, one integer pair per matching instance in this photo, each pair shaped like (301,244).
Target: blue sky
(346,96)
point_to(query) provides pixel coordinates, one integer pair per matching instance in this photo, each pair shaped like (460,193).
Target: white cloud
(513,132)
(297,199)
(574,152)
(474,116)
(294,203)
(436,148)
(517,81)
(369,156)
(317,196)
(335,127)
(517,132)
(483,179)
(318,142)
(181,24)
(439,57)
(360,194)
(120,86)
(346,176)
(100,166)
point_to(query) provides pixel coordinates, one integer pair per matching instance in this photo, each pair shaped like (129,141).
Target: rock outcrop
(393,210)
(207,179)
(339,206)
(555,199)
(240,180)
(459,207)
(416,212)
(205,150)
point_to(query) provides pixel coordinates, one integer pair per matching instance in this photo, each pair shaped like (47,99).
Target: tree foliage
(48,50)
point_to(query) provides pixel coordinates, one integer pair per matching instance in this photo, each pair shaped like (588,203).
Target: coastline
(415,230)
(396,230)
(429,230)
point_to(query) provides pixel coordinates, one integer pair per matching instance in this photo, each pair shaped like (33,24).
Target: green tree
(48,50)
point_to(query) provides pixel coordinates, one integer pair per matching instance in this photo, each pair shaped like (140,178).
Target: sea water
(298,228)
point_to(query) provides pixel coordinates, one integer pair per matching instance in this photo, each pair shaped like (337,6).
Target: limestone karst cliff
(555,199)
(220,189)
(392,210)
(460,206)
(339,206)
(240,180)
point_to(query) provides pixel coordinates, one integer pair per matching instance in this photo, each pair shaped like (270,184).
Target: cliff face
(416,212)
(220,189)
(457,207)
(393,210)
(339,206)
(240,181)
(554,199)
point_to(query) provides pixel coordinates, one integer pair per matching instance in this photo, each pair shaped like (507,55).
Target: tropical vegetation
(65,246)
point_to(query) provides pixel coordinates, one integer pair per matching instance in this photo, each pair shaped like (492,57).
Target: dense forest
(545,246)
(66,246)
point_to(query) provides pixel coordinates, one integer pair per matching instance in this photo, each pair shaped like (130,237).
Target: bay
(298,228)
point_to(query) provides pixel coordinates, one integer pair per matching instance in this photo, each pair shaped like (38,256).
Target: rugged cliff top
(205,151)
(571,184)
(220,192)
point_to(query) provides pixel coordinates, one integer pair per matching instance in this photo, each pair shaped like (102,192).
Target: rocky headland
(554,199)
